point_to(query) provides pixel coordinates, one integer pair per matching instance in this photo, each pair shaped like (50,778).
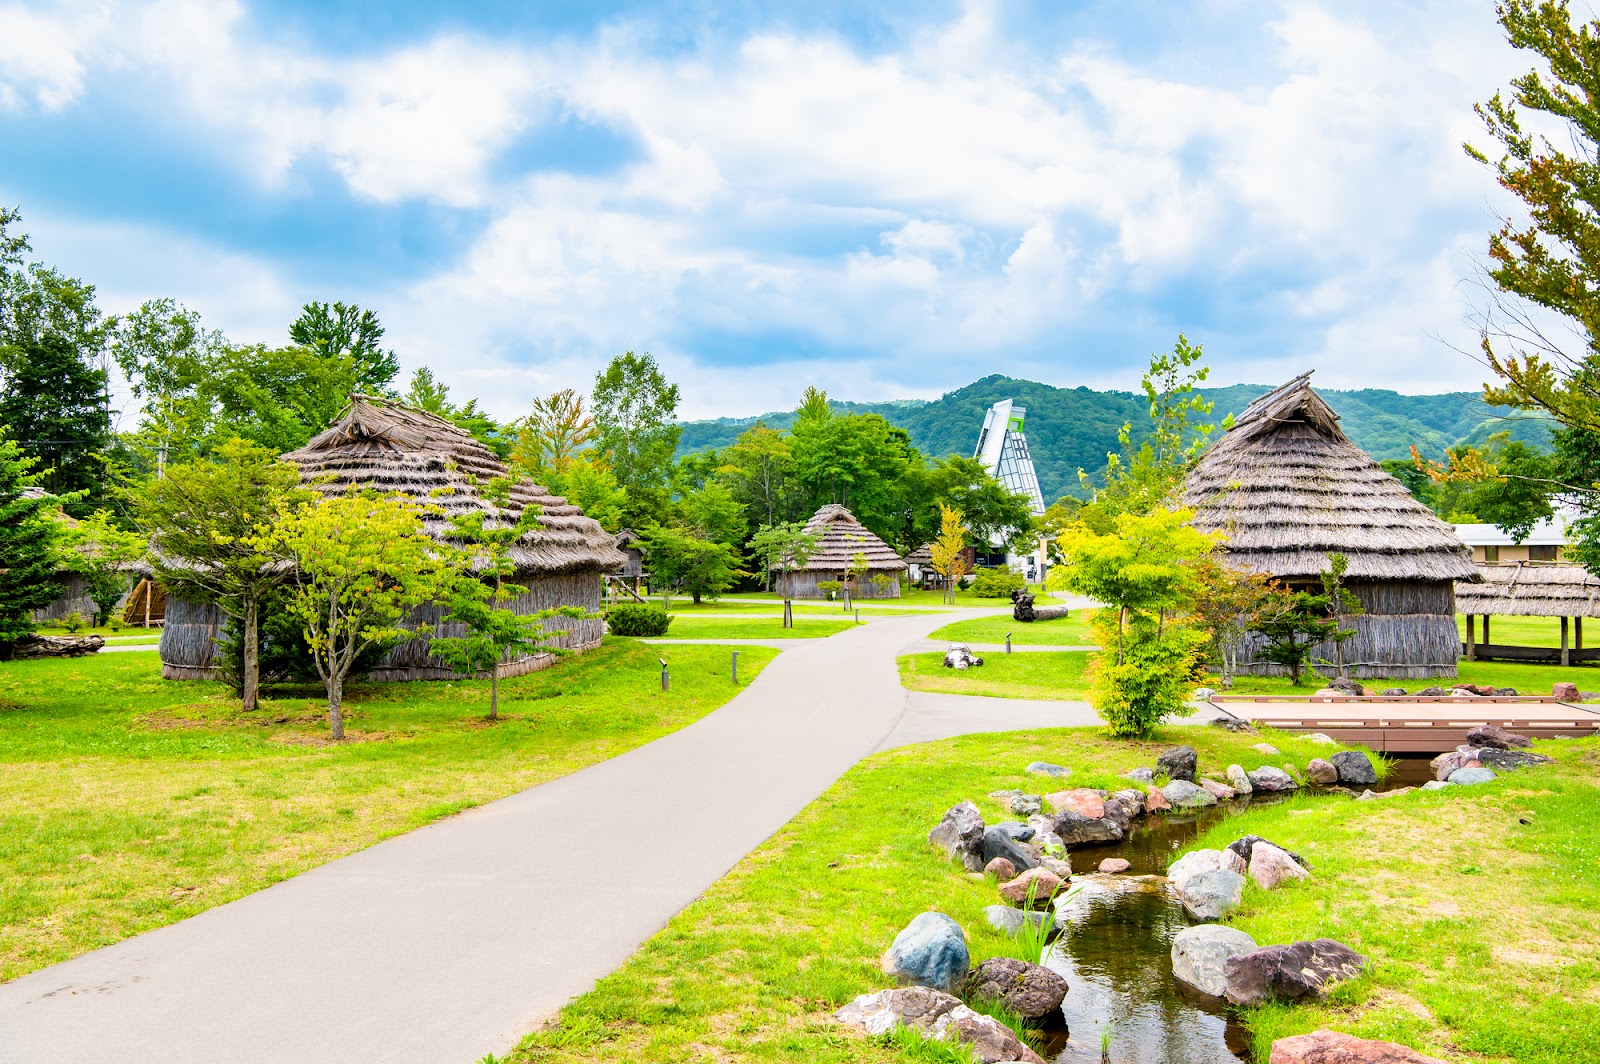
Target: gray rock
(1233,724)
(1178,763)
(1394,692)
(1027,990)
(961,657)
(1464,777)
(1061,866)
(1045,837)
(999,843)
(1074,829)
(987,1038)
(1323,740)
(1140,775)
(1505,692)
(930,951)
(1009,920)
(1024,804)
(910,1006)
(1449,761)
(1045,768)
(1018,832)
(1267,778)
(1266,748)
(1212,895)
(1197,861)
(1121,811)
(1238,780)
(1290,973)
(1270,866)
(1200,956)
(960,836)
(1431,692)
(1437,785)
(1506,760)
(1006,795)
(1133,797)
(1355,768)
(1320,771)
(1245,848)
(1185,795)
(1204,694)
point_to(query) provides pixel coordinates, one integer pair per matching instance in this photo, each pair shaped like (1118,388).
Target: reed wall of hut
(841,540)
(188,649)
(803,585)
(74,597)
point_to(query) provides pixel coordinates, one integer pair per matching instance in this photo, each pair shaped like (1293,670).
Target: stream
(1115,950)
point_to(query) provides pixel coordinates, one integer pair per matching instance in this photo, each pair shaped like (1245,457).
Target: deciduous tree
(682,560)
(100,551)
(344,332)
(948,554)
(634,420)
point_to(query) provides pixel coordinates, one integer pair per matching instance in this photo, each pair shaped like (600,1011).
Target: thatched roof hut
(1524,589)
(840,537)
(1288,488)
(384,445)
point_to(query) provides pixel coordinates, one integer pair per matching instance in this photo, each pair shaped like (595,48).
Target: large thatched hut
(1530,589)
(1288,488)
(383,445)
(840,537)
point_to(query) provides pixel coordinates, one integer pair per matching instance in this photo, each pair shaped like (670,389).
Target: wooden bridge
(1412,724)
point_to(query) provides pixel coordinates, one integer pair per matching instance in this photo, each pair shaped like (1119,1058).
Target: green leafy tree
(361,563)
(53,403)
(29,545)
(993,512)
(38,301)
(682,560)
(345,333)
(1342,603)
(100,552)
(786,548)
(554,433)
(1226,604)
(635,408)
(427,392)
(713,513)
(760,465)
(208,524)
(167,355)
(856,460)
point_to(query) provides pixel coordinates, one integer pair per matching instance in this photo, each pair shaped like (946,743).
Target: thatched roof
(1288,488)
(1531,590)
(377,443)
(840,537)
(923,555)
(626,538)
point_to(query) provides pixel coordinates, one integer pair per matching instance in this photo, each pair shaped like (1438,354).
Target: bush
(116,623)
(998,582)
(636,620)
(73,622)
(829,587)
(1155,677)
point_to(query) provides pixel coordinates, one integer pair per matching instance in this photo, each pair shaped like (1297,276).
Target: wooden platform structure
(1530,589)
(1411,724)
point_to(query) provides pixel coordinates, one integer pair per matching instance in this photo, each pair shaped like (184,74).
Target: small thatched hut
(920,564)
(1524,589)
(1288,488)
(840,537)
(393,448)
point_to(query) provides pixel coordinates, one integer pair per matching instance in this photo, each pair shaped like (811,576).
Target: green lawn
(805,627)
(1037,675)
(128,801)
(751,970)
(1479,908)
(1527,631)
(1072,630)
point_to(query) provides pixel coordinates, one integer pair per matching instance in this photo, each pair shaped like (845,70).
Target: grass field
(128,802)
(805,627)
(1036,675)
(1527,631)
(1072,630)
(751,970)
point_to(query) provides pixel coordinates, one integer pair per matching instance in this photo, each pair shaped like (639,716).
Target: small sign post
(664,680)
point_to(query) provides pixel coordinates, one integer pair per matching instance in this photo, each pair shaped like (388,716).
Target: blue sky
(885,200)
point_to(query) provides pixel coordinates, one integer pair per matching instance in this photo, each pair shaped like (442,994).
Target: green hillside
(1073,428)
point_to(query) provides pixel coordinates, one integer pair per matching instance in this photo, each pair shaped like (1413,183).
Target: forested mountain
(1073,428)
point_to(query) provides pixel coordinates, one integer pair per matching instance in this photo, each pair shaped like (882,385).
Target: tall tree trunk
(250,686)
(494,691)
(336,705)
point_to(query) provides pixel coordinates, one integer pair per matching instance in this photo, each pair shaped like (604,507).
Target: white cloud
(39,61)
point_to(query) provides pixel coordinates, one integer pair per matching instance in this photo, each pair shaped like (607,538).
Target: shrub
(997,582)
(637,620)
(73,622)
(1152,682)
(115,623)
(829,587)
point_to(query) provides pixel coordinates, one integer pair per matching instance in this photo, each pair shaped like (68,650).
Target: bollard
(664,680)
(735,666)
(858,616)
(1008,642)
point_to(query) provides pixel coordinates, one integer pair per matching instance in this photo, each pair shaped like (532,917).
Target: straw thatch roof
(381,444)
(840,537)
(923,555)
(1531,590)
(1287,487)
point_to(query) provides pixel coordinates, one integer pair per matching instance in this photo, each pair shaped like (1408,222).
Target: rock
(961,656)
(1566,692)
(1267,749)
(1077,830)
(960,836)
(56,646)
(1335,1047)
(1027,990)
(1220,791)
(1140,775)
(1320,771)
(1002,870)
(1204,694)
(1292,972)
(930,951)
(1293,772)
(1348,686)
(1032,889)
(1463,777)
(1325,693)
(1355,768)
(1198,861)
(1505,692)
(997,843)
(1270,866)
(1018,832)
(1059,865)
(1496,737)
(1233,724)
(1121,812)
(1431,692)
(1463,691)
(1268,778)
(1024,804)
(1113,865)
(1045,768)
(1505,760)
(1185,795)
(1155,802)
(1200,956)
(1244,847)
(1045,837)
(911,1006)
(1437,785)
(1178,763)
(1322,740)
(1448,762)
(1134,798)
(1008,919)
(1212,895)
(988,1039)
(1394,692)
(1080,800)
(1238,780)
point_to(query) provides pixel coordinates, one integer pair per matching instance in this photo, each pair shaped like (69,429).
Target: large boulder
(997,842)
(1019,832)
(1289,973)
(1451,760)
(1267,778)
(1185,795)
(1492,735)
(1220,791)
(1008,919)
(1336,1047)
(1244,846)
(1505,760)
(989,1040)
(1032,889)
(1155,802)
(961,657)
(1321,772)
(1045,768)
(1465,777)
(1566,692)
(937,1015)
(1045,837)
(1027,990)
(1238,780)
(1200,955)
(1270,866)
(1080,800)
(1355,768)
(930,951)
(960,836)
(1178,763)
(1077,830)
(1121,811)
(1213,894)
(1140,775)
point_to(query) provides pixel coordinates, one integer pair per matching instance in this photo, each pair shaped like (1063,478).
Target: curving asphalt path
(450,942)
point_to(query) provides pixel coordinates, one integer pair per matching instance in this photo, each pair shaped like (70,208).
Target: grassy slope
(1480,910)
(128,802)
(1072,630)
(750,971)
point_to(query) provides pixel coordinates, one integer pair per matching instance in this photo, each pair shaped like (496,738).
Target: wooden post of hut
(1577,633)
(1566,653)
(1472,648)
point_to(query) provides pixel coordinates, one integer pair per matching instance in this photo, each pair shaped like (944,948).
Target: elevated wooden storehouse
(629,579)
(1288,488)
(383,445)
(840,537)
(1524,589)
(920,564)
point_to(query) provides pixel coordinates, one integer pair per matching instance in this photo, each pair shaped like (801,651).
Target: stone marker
(930,951)
(1200,956)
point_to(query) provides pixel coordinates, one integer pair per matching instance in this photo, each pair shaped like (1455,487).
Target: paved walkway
(939,646)
(450,942)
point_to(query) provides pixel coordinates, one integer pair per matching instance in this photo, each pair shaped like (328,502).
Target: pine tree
(29,534)
(53,405)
